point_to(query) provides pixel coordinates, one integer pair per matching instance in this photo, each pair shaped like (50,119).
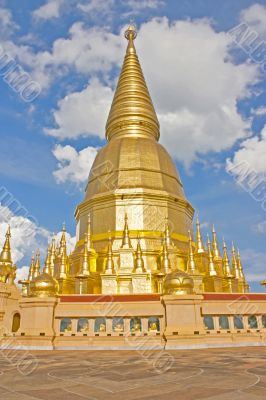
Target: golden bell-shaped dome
(43,285)
(178,282)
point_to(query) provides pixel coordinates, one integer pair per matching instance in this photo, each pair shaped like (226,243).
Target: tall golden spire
(191,266)
(132,111)
(199,243)
(126,240)
(139,258)
(63,264)
(5,255)
(31,270)
(212,271)
(63,239)
(53,255)
(239,265)
(226,263)
(47,266)
(215,246)
(85,266)
(37,266)
(235,269)
(109,269)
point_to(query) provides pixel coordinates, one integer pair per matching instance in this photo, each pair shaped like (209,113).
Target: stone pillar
(91,325)
(183,317)
(144,323)
(216,323)
(74,325)
(109,322)
(37,328)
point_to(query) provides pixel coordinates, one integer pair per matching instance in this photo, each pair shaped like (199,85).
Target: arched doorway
(16,322)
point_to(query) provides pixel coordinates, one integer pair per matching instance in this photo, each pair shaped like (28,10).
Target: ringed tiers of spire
(132,111)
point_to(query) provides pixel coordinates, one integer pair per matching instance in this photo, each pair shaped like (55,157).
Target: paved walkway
(214,374)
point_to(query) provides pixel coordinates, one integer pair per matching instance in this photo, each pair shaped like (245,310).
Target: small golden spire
(5,255)
(166,267)
(235,269)
(47,266)
(37,266)
(57,250)
(85,267)
(109,269)
(139,258)
(31,270)
(63,239)
(199,243)
(53,255)
(215,246)
(132,111)
(212,271)
(239,265)
(63,264)
(191,266)
(126,243)
(226,263)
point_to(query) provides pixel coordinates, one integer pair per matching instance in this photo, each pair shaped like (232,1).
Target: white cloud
(94,7)
(89,51)
(73,166)
(83,113)
(51,9)
(260,111)
(260,227)
(27,235)
(255,17)
(195,86)
(22,273)
(7,25)
(138,6)
(141,4)
(251,154)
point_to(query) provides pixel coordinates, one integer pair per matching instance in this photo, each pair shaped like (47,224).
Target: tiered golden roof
(132,111)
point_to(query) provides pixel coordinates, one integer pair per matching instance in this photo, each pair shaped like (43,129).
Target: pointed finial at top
(130,35)
(131,32)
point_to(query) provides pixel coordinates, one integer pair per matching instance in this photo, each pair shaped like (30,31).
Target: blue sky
(208,91)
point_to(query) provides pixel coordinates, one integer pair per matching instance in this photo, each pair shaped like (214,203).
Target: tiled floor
(214,374)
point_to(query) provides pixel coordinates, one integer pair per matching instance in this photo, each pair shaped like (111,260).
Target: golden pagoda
(136,268)
(133,195)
